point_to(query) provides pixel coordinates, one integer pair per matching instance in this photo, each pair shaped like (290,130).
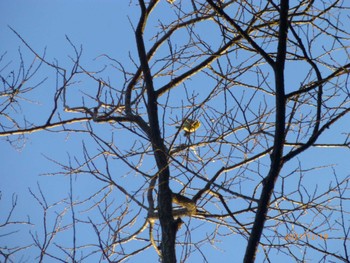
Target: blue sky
(45,24)
(102,27)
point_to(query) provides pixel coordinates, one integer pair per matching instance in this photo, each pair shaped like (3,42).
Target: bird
(190,126)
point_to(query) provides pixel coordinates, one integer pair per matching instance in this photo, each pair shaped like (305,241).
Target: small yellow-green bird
(190,126)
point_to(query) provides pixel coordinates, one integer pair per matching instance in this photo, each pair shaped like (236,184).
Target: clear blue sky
(102,27)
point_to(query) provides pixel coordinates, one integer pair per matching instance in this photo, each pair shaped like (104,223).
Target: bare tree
(266,81)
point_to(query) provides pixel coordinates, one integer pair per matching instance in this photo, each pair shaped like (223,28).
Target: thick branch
(276,157)
(44,127)
(164,196)
(242,32)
